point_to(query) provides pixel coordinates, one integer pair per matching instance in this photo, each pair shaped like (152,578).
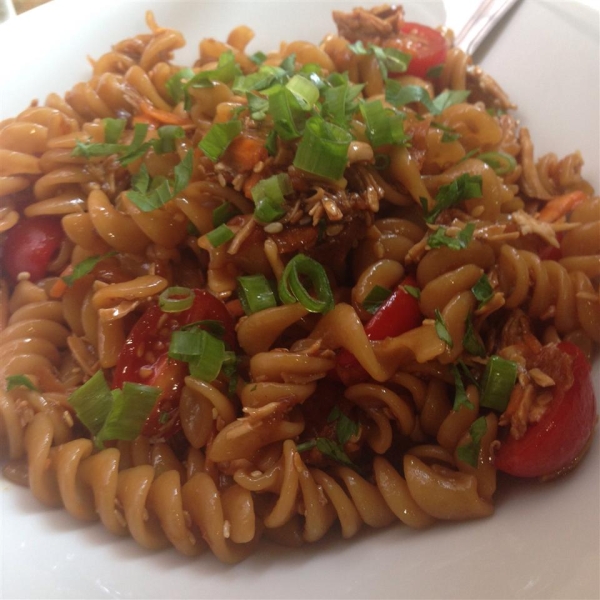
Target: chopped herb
(388,59)
(258,58)
(413,291)
(460,241)
(469,453)
(84,267)
(441,329)
(345,427)
(223,213)
(472,342)
(465,186)
(501,162)
(460,394)
(375,298)
(434,72)
(498,382)
(399,95)
(15,381)
(482,290)
(383,125)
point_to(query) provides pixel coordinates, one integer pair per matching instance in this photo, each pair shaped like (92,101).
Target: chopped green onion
(388,59)
(383,125)
(340,102)
(271,143)
(14,381)
(130,409)
(213,326)
(167,134)
(258,58)
(287,113)
(183,172)
(375,298)
(226,71)
(469,453)
(497,383)
(221,235)
(305,91)
(269,197)
(218,138)
(291,289)
(323,149)
(399,95)
(176,299)
(203,352)
(176,84)
(113,128)
(92,402)
(223,213)
(501,162)
(85,266)
(288,64)
(460,394)
(434,72)
(449,98)
(255,293)
(257,105)
(441,329)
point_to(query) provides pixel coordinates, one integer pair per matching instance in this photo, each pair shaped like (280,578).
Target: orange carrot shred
(559,206)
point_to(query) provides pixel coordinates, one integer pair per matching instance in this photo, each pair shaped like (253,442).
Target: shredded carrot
(59,287)
(144,119)
(250,182)
(235,308)
(162,116)
(559,206)
(246,151)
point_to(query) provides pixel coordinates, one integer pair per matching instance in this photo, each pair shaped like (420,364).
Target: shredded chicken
(371,25)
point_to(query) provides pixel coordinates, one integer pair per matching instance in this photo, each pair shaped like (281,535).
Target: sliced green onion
(203,352)
(340,102)
(113,128)
(130,409)
(223,213)
(291,288)
(182,172)
(213,326)
(288,116)
(258,58)
(501,162)
(383,126)
(176,299)
(323,149)
(176,84)
(92,402)
(305,91)
(439,238)
(226,71)
(257,105)
(221,235)
(218,138)
(413,291)
(497,383)
(375,298)
(167,134)
(255,293)
(288,64)
(15,381)
(269,197)
(85,266)
(465,186)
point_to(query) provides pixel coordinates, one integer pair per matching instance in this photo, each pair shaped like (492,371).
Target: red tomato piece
(31,245)
(144,357)
(551,445)
(427,47)
(397,315)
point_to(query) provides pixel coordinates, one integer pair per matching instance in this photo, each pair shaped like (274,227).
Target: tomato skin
(427,47)
(30,246)
(144,358)
(551,445)
(397,315)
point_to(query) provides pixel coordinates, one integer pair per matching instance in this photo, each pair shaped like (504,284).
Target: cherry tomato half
(31,245)
(397,315)
(559,438)
(427,47)
(144,358)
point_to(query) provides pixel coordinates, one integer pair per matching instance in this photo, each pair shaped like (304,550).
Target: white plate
(543,541)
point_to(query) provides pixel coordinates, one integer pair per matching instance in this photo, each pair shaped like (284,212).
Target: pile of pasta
(357,251)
